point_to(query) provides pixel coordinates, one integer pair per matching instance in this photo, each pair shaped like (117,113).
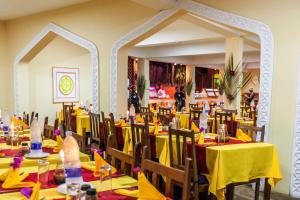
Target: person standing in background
(134,99)
(182,92)
(250,97)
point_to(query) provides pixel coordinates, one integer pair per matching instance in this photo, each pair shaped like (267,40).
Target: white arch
(57,30)
(250,25)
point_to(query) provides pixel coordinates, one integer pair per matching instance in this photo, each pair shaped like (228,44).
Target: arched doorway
(201,10)
(40,41)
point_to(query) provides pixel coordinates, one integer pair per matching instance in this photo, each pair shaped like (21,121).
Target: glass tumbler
(43,173)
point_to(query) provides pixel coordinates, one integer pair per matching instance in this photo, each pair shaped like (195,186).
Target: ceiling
(11,9)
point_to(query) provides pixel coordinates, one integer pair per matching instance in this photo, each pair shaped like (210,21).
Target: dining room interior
(149,99)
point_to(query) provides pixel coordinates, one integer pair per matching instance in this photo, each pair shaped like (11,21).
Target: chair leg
(267,191)
(257,186)
(229,192)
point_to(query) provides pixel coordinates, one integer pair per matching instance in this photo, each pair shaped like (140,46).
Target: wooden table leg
(267,190)
(229,192)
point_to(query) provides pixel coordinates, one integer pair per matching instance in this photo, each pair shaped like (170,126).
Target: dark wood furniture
(36,116)
(108,129)
(148,115)
(31,117)
(194,116)
(164,111)
(185,135)
(254,131)
(49,132)
(26,118)
(155,170)
(123,162)
(95,129)
(81,140)
(145,109)
(140,138)
(223,117)
(194,105)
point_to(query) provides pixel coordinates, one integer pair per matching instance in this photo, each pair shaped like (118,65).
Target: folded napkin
(243,136)
(121,123)
(17,122)
(139,119)
(194,128)
(154,129)
(12,178)
(31,193)
(201,138)
(79,111)
(146,191)
(59,140)
(99,161)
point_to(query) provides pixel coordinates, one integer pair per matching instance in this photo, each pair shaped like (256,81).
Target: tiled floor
(246,193)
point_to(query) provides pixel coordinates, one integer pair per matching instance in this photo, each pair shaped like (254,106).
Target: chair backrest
(245,109)
(233,111)
(253,131)
(164,111)
(123,162)
(154,170)
(140,135)
(193,105)
(148,115)
(49,131)
(26,118)
(46,120)
(36,116)
(145,109)
(31,117)
(194,115)
(108,129)
(164,119)
(67,120)
(81,140)
(223,117)
(95,127)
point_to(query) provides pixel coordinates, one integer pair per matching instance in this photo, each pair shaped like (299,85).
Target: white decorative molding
(259,28)
(295,176)
(84,43)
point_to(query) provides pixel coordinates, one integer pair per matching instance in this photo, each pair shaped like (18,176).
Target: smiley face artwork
(66,85)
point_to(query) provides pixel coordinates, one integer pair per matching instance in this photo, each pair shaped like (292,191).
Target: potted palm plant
(233,80)
(141,86)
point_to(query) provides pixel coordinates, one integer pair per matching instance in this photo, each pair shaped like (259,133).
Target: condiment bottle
(83,191)
(91,194)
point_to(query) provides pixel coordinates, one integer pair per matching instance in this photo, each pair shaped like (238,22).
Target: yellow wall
(35,78)
(282,17)
(105,21)
(100,21)
(4,79)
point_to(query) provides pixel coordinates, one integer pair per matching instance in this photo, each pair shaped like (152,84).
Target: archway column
(144,69)
(233,47)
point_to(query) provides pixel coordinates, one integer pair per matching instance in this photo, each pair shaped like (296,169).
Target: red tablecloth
(17,152)
(23,139)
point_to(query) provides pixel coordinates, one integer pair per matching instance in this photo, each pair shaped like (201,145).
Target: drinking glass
(105,178)
(43,173)
(73,191)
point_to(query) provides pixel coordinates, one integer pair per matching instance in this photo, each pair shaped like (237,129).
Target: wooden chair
(140,138)
(46,121)
(95,128)
(185,135)
(193,105)
(164,119)
(67,121)
(26,118)
(148,115)
(108,129)
(49,132)
(153,170)
(224,117)
(36,116)
(254,131)
(164,111)
(245,109)
(31,117)
(145,109)
(194,116)
(123,162)
(81,140)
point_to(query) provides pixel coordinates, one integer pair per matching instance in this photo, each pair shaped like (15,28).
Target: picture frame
(65,84)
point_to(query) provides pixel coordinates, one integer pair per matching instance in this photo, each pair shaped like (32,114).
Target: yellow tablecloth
(117,183)
(240,163)
(4,162)
(184,119)
(82,121)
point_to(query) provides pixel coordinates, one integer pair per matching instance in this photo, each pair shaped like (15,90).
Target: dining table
(105,190)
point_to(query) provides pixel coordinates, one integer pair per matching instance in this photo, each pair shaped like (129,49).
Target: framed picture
(65,84)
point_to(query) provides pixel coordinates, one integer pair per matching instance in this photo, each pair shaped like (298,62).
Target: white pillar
(143,69)
(234,46)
